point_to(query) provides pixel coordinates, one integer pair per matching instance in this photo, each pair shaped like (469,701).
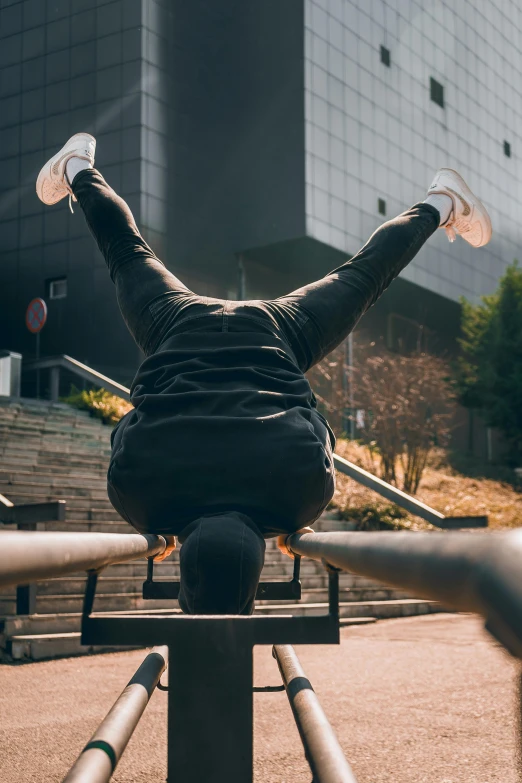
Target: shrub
(100,403)
(489,372)
(403,406)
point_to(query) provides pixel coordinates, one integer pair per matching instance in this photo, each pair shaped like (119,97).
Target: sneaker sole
(46,168)
(479,207)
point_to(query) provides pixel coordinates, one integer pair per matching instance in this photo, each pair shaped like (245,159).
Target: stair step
(23,625)
(36,489)
(78,502)
(344,621)
(109,602)
(32,478)
(404,607)
(39,647)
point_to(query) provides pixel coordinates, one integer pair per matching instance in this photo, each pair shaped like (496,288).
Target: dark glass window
(507,149)
(381,206)
(385,56)
(57,289)
(436,92)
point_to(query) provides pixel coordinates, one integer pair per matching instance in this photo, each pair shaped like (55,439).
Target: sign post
(35,318)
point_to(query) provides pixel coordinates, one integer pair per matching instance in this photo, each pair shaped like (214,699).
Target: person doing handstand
(224,446)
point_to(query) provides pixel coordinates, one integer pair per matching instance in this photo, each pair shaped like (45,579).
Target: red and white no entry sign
(36,315)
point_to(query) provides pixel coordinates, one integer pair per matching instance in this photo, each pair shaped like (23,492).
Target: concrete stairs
(51,451)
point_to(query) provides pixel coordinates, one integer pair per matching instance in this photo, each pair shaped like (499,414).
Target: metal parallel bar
(98,760)
(468,573)
(322,749)
(28,517)
(404,500)
(82,370)
(27,556)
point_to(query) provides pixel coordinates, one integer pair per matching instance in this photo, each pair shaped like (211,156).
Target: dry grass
(443,487)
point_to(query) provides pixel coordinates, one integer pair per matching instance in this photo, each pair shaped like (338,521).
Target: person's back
(224,420)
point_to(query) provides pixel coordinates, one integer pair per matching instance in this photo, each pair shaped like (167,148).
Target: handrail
(64,362)
(27,556)
(97,761)
(480,574)
(404,500)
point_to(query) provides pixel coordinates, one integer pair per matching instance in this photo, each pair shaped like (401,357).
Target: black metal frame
(266,591)
(210,692)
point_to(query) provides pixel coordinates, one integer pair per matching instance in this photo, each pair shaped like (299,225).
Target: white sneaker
(469,216)
(52,184)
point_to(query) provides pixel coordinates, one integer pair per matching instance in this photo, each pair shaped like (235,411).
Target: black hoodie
(222,420)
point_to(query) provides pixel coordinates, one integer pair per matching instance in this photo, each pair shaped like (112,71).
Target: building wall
(372,131)
(237,137)
(66,66)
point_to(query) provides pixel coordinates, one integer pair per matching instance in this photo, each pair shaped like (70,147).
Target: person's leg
(318,317)
(139,276)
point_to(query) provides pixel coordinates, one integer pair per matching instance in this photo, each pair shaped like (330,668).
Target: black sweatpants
(313,319)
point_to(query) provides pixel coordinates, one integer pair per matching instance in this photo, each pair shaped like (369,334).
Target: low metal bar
(404,500)
(27,556)
(98,760)
(321,746)
(469,573)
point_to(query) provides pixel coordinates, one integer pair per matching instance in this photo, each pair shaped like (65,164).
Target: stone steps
(49,452)
(20,478)
(39,646)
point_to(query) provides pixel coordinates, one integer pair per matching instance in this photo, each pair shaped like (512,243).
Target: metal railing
(403,500)
(27,557)
(323,752)
(55,364)
(97,761)
(210,707)
(480,574)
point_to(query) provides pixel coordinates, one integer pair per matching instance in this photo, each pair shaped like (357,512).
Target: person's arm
(281,541)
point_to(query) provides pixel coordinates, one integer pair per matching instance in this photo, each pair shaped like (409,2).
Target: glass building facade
(258,144)
(396,89)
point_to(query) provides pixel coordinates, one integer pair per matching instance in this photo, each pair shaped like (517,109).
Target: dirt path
(418,700)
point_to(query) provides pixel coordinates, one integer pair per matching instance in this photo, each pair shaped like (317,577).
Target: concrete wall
(237,136)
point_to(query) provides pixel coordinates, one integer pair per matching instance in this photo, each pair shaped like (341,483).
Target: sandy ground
(417,700)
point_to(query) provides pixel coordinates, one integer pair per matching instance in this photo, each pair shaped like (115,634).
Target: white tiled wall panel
(373,132)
